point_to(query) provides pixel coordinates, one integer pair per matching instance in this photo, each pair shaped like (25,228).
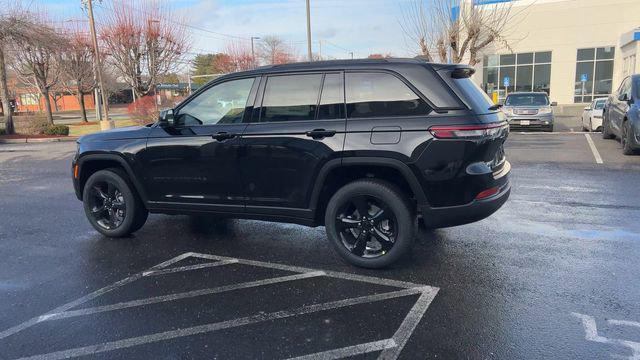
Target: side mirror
(623,97)
(555,103)
(166,118)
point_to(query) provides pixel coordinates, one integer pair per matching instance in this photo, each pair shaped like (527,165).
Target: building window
(28,99)
(594,73)
(517,72)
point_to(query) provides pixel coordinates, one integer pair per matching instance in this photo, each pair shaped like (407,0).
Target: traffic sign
(506,81)
(584,77)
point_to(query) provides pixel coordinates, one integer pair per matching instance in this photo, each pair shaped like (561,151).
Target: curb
(38,140)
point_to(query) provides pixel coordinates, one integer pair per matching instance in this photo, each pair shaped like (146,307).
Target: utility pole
(320,49)
(253,53)
(351,52)
(105,123)
(309,31)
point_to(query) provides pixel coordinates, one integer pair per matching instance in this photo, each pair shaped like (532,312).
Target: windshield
(637,83)
(600,104)
(527,100)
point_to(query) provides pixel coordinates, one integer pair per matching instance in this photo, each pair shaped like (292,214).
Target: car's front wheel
(370,223)
(111,204)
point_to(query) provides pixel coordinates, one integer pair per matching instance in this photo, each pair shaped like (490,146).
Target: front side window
(381,95)
(220,104)
(527,100)
(291,98)
(600,104)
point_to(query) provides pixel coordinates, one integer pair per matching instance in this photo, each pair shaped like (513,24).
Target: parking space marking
(594,150)
(349,351)
(591,334)
(207,328)
(184,295)
(190,267)
(390,348)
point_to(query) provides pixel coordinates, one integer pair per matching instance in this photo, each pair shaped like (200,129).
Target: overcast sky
(361,26)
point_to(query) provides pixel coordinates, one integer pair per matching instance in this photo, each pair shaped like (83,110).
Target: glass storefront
(594,73)
(516,72)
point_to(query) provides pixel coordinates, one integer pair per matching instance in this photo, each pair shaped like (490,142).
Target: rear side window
(332,99)
(381,95)
(291,98)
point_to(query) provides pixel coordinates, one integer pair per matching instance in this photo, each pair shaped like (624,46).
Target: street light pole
(105,123)
(253,53)
(309,32)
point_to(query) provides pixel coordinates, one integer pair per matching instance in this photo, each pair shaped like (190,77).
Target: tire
(389,217)
(590,125)
(112,205)
(626,139)
(606,132)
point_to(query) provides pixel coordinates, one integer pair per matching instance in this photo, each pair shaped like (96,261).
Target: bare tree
(273,50)
(143,43)
(37,59)
(236,57)
(78,67)
(455,30)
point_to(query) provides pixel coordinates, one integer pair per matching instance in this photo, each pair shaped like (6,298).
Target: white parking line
(595,152)
(201,329)
(391,348)
(184,295)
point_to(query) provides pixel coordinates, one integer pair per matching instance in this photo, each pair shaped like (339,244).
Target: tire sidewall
(129,198)
(394,200)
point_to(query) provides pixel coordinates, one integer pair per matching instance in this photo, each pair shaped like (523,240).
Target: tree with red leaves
(143,43)
(77,66)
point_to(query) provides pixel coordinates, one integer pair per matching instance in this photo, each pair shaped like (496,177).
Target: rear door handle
(320,133)
(223,135)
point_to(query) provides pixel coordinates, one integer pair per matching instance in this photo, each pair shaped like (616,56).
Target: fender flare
(120,160)
(403,168)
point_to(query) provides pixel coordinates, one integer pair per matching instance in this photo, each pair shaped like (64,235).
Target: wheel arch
(89,164)
(338,172)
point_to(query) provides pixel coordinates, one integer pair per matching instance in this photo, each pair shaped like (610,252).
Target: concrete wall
(563,26)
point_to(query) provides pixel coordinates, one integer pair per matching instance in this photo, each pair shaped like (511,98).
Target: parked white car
(592,115)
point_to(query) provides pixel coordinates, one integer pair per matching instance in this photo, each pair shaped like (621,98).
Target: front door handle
(320,133)
(223,135)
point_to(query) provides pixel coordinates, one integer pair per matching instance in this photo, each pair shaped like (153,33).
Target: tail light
(467,131)
(487,193)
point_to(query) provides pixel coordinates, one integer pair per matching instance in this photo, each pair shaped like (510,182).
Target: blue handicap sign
(584,77)
(506,81)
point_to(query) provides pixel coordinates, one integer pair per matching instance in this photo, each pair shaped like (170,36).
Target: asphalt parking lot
(553,274)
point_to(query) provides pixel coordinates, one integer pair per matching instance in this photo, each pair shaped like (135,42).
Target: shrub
(143,110)
(3,131)
(30,124)
(56,130)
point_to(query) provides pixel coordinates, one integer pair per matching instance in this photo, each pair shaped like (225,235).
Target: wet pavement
(553,274)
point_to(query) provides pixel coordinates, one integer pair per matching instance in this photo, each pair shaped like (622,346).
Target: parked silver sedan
(529,111)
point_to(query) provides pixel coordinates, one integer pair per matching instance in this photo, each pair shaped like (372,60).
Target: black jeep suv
(363,147)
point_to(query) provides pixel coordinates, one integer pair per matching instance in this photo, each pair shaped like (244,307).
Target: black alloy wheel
(112,205)
(370,223)
(107,205)
(367,226)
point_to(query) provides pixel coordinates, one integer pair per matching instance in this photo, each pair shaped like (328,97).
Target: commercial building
(575,50)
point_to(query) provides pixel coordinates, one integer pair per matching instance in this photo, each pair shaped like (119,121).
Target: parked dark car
(621,117)
(362,147)
(529,111)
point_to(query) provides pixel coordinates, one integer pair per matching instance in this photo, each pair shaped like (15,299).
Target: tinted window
(221,104)
(600,104)
(332,98)
(380,95)
(291,97)
(527,100)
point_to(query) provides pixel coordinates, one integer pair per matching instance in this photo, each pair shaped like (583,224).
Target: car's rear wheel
(627,139)
(606,131)
(370,223)
(111,204)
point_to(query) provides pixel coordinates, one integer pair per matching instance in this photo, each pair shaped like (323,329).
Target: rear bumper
(476,210)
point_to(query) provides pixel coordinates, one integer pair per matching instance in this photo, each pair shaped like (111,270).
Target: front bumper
(531,122)
(438,217)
